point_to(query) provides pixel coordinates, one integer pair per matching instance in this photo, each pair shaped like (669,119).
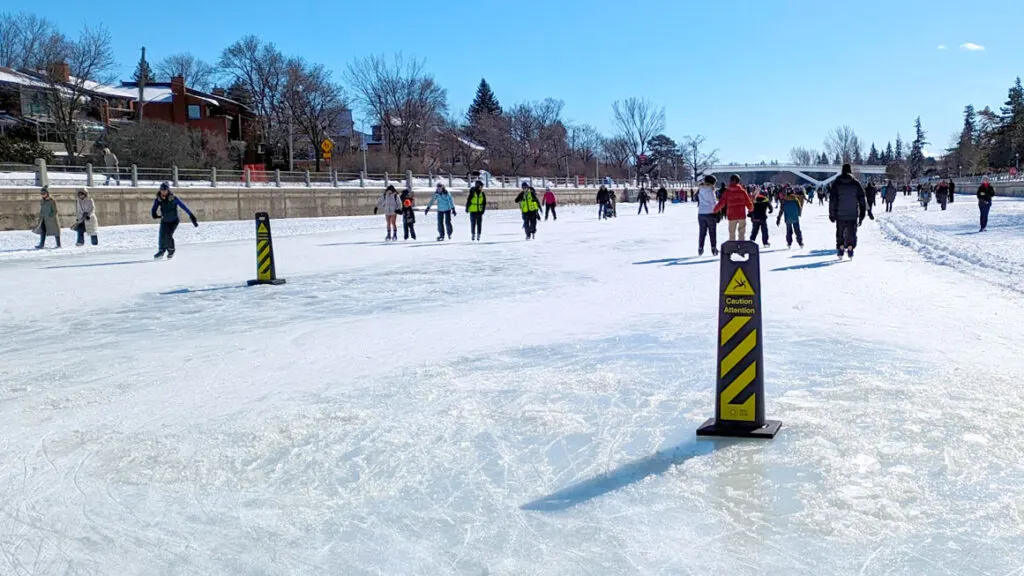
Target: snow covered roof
(469,143)
(9,76)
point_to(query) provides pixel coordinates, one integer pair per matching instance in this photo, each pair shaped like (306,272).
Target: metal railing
(40,174)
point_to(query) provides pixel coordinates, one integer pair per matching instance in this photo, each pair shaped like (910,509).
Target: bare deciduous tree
(585,142)
(402,98)
(802,156)
(314,102)
(842,142)
(197,73)
(26,40)
(260,69)
(88,59)
(616,151)
(637,121)
(697,158)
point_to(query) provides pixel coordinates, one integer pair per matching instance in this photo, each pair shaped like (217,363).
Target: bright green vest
(528,204)
(476,201)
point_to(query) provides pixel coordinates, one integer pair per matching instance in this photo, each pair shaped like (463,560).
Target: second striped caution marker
(739,395)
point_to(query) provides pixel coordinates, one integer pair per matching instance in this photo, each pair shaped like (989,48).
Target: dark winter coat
(762,207)
(871,192)
(985,193)
(169,208)
(662,194)
(602,196)
(642,197)
(846,200)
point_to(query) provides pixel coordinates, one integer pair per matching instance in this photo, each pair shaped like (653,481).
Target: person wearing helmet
(167,204)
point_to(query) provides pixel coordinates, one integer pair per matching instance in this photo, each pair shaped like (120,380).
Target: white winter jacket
(706,200)
(389,203)
(86,206)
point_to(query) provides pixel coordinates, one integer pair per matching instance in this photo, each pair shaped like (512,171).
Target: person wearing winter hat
(476,205)
(167,204)
(847,206)
(85,218)
(736,203)
(759,217)
(529,205)
(408,214)
(49,219)
(985,194)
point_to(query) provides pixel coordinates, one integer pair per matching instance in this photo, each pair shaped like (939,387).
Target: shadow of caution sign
(739,395)
(266,273)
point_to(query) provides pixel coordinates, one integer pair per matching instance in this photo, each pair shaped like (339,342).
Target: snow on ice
(510,407)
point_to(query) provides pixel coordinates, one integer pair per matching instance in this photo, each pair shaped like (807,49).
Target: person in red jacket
(737,204)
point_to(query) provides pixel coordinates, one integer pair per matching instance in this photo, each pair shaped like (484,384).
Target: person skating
(759,218)
(889,195)
(529,205)
(847,206)
(985,194)
(167,204)
(952,190)
(942,194)
(662,199)
(924,195)
(736,203)
(642,198)
(792,207)
(476,205)
(611,211)
(822,195)
(85,218)
(707,219)
(602,202)
(871,192)
(445,211)
(391,205)
(49,219)
(408,214)
(550,202)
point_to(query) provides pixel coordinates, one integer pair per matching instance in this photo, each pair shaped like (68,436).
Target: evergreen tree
(484,104)
(898,156)
(1013,119)
(916,159)
(858,157)
(964,152)
(838,160)
(887,158)
(823,159)
(143,73)
(873,157)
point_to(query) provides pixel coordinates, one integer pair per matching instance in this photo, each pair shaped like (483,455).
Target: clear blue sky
(756,77)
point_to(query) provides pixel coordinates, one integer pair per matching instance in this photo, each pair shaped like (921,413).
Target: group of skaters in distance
(392,204)
(849,203)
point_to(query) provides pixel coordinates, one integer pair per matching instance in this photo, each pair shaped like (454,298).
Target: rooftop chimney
(219,92)
(59,72)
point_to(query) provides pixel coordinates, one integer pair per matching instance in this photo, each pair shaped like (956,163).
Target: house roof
(11,76)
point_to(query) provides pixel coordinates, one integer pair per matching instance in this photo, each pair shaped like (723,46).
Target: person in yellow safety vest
(529,205)
(476,205)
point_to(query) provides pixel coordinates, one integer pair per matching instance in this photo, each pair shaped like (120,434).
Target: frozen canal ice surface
(510,407)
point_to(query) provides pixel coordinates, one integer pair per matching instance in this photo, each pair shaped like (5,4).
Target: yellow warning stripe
(263,252)
(732,327)
(739,384)
(738,353)
(264,272)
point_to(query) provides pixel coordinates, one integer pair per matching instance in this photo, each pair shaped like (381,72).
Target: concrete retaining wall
(1013,189)
(19,207)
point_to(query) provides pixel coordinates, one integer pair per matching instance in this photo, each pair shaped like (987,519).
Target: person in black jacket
(408,214)
(847,205)
(985,194)
(642,198)
(871,193)
(602,203)
(759,217)
(168,204)
(662,198)
(529,205)
(952,190)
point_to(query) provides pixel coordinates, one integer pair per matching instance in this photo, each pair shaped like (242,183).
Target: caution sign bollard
(265,271)
(739,395)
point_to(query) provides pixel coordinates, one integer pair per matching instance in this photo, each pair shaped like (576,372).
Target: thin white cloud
(971,47)
(941,47)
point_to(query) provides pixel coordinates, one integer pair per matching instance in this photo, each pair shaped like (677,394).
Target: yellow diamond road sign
(327,146)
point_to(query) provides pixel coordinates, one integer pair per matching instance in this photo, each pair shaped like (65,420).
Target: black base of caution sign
(266,272)
(739,394)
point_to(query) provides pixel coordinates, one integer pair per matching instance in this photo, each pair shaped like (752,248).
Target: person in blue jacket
(167,204)
(792,206)
(445,211)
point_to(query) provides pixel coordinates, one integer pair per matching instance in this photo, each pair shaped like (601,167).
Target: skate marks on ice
(813,265)
(101,264)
